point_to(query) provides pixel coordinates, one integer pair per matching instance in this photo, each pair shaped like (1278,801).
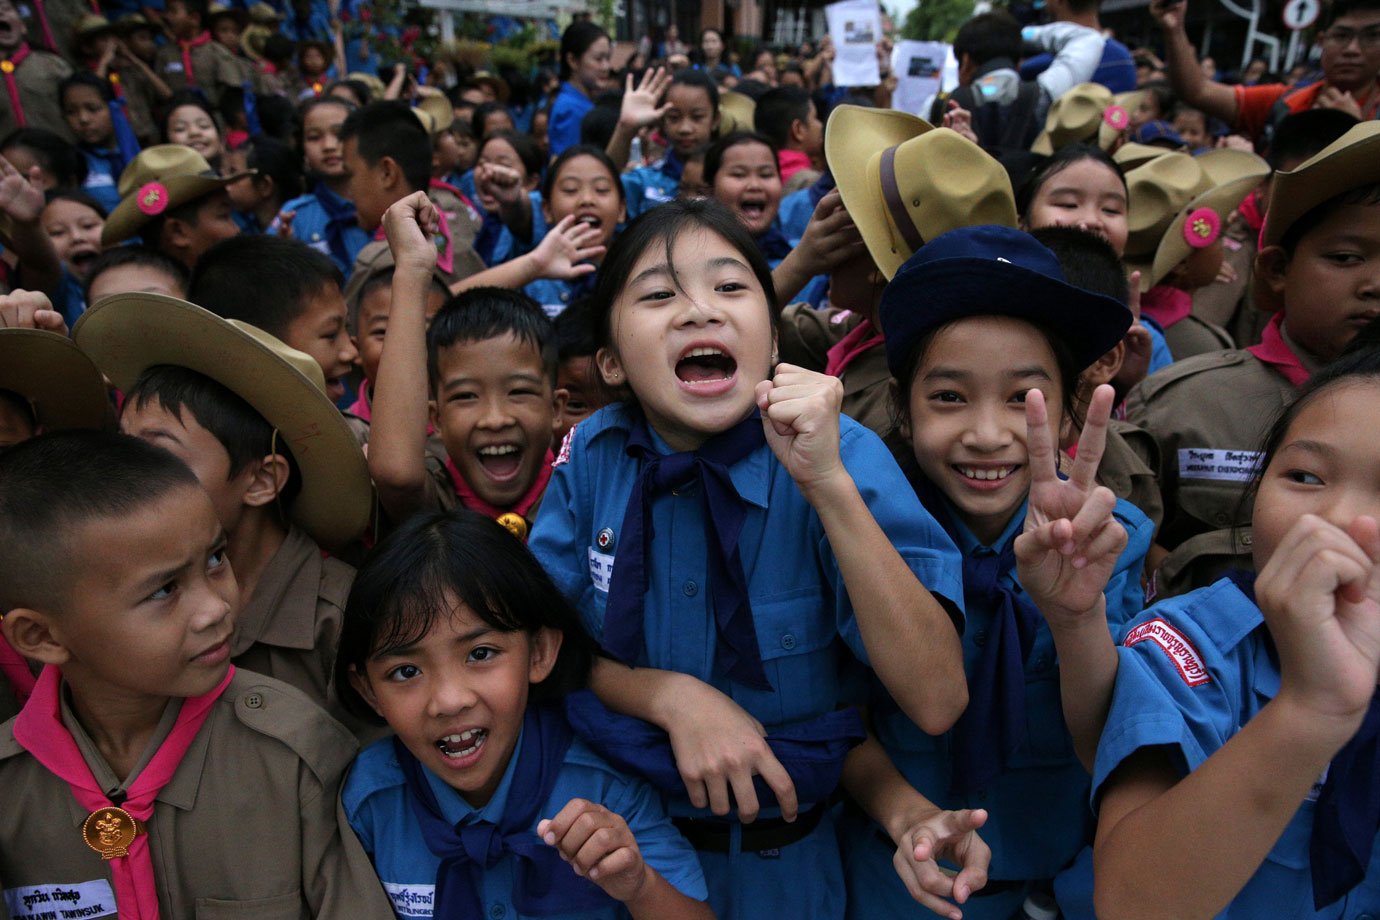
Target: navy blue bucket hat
(994,271)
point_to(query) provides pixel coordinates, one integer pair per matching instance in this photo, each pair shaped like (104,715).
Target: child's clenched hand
(599,846)
(800,412)
(30,310)
(410,224)
(952,837)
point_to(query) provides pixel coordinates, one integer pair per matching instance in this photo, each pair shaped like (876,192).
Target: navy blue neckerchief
(823,186)
(486,241)
(736,649)
(1346,816)
(544,884)
(773,244)
(994,725)
(671,165)
(340,217)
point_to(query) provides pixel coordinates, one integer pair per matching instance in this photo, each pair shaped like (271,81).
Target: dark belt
(716,836)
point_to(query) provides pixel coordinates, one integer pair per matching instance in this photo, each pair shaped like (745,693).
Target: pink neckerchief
(791,162)
(521,506)
(1274,351)
(16,670)
(203,39)
(39,730)
(8,67)
(445,257)
(1166,305)
(360,407)
(860,339)
(1254,217)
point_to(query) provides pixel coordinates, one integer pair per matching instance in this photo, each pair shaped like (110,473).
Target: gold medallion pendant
(515,523)
(110,831)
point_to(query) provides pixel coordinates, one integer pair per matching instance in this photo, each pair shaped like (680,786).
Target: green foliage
(936,20)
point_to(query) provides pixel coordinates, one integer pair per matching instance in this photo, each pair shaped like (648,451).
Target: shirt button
(690,589)
(788,642)
(254,701)
(1245,539)
(497,911)
(1221,519)
(980,638)
(1042,663)
(316,237)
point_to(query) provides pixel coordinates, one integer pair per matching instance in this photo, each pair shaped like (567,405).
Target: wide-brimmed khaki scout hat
(1350,161)
(1116,118)
(496,84)
(125,334)
(376,86)
(1130,155)
(217,10)
(737,112)
(263,14)
(904,181)
(56,378)
(435,113)
(1077,115)
(91,26)
(160,178)
(1180,203)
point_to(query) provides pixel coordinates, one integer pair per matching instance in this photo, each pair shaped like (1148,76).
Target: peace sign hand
(1071,541)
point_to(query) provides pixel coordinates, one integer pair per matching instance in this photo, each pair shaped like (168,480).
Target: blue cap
(994,271)
(1157,131)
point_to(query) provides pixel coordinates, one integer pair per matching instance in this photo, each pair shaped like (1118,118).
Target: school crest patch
(1174,644)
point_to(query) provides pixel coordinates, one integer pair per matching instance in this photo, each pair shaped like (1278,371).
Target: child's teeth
(703,352)
(498,451)
(993,474)
(450,745)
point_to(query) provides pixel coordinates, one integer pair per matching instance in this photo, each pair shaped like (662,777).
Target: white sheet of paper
(856,27)
(919,67)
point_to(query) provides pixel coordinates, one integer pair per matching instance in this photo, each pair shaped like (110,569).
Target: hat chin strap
(891,194)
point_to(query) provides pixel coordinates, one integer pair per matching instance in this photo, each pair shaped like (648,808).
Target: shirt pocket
(1213,504)
(795,634)
(282,907)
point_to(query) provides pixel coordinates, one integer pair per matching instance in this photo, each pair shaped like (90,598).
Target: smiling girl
(324,218)
(585,55)
(743,171)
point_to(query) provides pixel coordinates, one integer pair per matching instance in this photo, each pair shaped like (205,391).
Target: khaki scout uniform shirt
(213,65)
(9,703)
(1128,469)
(247,827)
(290,627)
(37,79)
(1232,306)
(805,336)
(1192,336)
(1208,414)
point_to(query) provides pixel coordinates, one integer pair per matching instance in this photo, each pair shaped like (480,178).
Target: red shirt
(1254,103)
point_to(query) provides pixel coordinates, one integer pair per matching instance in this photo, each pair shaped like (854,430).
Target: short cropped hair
(1087,261)
(262,279)
(778,109)
(142,256)
(55,483)
(989,36)
(389,129)
(490,313)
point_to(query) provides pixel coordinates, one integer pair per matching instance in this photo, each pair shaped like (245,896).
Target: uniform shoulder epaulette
(1190,367)
(337,577)
(286,714)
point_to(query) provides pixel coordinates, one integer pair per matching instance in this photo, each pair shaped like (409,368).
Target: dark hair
(277,117)
(553,171)
(389,129)
(436,561)
(484,313)
(189,212)
(598,124)
(262,279)
(89,80)
(358,87)
(526,149)
(1339,8)
(55,483)
(1087,261)
(780,108)
(1056,163)
(199,7)
(278,48)
(575,41)
(54,154)
(381,277)
(299,128)
(143,256)
(663,225)
(1363,195)
(1163,95)
(178,100)
(239,428)
(481,114)
(699,80)
(714,157)
(1301,135)
(277,161)
(80,196)
(988,37)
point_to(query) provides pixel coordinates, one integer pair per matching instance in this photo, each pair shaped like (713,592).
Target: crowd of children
(700,493)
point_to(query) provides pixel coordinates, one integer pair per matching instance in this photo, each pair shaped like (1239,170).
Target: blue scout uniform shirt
(103,168)
(799,605)
(1160,358)
(563,125)
(375,799)
(312,223)
(1192,670)
(495,243)
(648,186)
(1038,818)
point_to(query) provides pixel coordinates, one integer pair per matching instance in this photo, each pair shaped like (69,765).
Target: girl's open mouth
(705,365)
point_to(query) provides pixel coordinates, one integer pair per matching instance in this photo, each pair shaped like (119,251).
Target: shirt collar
(968,544)
(751,476)
(282,610)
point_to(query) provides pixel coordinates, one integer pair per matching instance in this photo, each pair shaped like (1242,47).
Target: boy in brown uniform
(1209,413)
(146,776)
(193,60)
(30,78)
(251,417)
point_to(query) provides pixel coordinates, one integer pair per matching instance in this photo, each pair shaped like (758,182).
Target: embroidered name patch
(411,900)
(1221,465)
(61,902)
(1178,648)
(600,569)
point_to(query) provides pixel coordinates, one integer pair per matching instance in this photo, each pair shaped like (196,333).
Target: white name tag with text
(600,569)
(1221,465)
(61,902)
(411,900)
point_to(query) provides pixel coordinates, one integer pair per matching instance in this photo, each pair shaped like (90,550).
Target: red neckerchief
(1274,351)
(521,506)
(8,67)
(1166,305)
(47,30)
(852,346)
(203,39)
(40,731)
(15,668)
